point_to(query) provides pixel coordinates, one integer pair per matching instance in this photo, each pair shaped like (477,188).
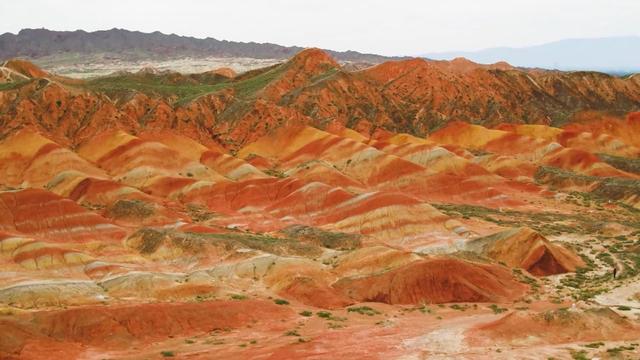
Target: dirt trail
(625,296)
(446,341)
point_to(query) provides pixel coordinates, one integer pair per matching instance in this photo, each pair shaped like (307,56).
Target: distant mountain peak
(314,57)
(611,54)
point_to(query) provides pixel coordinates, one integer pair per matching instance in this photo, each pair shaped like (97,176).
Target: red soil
(121,326)
(42,213)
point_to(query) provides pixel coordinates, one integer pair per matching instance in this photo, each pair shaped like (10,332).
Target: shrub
(496,309)
(364,310)
(281,302)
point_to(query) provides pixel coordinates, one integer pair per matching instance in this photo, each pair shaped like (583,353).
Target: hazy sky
(390,27)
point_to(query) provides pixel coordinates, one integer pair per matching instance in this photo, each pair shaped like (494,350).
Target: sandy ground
(87,68)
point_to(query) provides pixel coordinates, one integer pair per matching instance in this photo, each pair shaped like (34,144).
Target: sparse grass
(329,316)
(625,164)
(606,189)
(214,342)
(195,242)
(616,350)
(586,283)
(273,245)
(554,223)
(292,333)
(306,313)
(167,353)
(594,345)
(364,310)
(238,297)
(335,326)
(563,315)
(275,173)
(199,213)
(248,87)
(132,209)
(526,279)
(546,223)
(327,239)
(606,258)
(496,309)
(459,307)
(147,240)
(183,88)
(152,85)
(12,85)
(579,355)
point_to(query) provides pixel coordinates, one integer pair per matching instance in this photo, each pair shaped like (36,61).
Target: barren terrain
(409,210)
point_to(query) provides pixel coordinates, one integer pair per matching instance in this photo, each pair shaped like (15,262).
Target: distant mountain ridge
(37,43)
(616,55)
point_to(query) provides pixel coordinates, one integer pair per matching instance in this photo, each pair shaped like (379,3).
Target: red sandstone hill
(415,96)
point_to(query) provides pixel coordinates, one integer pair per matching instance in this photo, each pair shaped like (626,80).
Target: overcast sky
(389,27)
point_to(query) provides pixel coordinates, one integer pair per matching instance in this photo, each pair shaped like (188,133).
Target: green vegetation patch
(579,355)
(327,239)
(152,85)
(622,163)
(364,310)
(147,240)
(130,209)
(273,245)
(329,316)
(324,314)
(13,85)
(607,188)
(546,223)
(248,87)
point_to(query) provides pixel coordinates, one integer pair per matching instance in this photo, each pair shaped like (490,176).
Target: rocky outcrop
(526,249)
(435,281)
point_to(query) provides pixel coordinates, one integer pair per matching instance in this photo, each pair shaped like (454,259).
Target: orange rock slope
(303,210)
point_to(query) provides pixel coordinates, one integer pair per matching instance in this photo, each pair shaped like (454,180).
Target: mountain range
(616,55)
(38,43)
